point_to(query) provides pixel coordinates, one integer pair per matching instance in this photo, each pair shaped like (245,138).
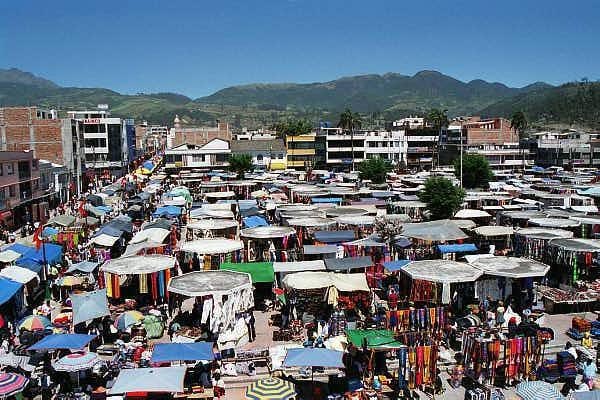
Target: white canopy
(18,274)
(209,246)
(299,266)
(163,379)
(310,222)
(356,220)
(442,271)
(492,230)
(212,224)
(138,264)
(157,235)
(175,201)
(104,240)
(268,232)
(346,210)
(219,195)
(8,256)
(511,267)
(468,213)
(554,222)
(202,283)
(317,280)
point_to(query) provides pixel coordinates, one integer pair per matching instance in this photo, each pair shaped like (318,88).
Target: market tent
(267,232)
(457,248)
(367,242)
(397,265)
(375,339)
(325,200)
(83,266)
(312,250)
(212,224)
(544,233)
(260,272)
(348,263)
(554,222)
(63,341)
(468,213)
(358,220)
(30,264)
(465,223)
(511,267)
(8,256)
(255,221)
(18,274)
(19,248)
(298,266)
(313,357)
(154,234)
(494,230)
(48,252)
(209,246)
(169,211)
(8,288)
(311,221)
(334,236)
(163,380)
(345,210)
(434,231)
(122,223)
(89,305)
(134,249)
(104,240)
(182,352)
(318,279)
(158,223)
(581,245)
(138,264)
(202,283)
(62,220)
(442,271)
(108,230)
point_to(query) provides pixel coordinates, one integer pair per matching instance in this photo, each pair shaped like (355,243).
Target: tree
(240,164)
(439,120)
(349,122)
(476,171)
(374,169)
(443,199)
(518,122)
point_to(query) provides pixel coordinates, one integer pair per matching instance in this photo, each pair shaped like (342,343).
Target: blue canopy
(254,221)
(183,352)
(323,200)
(457,248)
(163,380)
(397,265)
(8,288)
(122,223)
(49,231)
(67,341)
(51,253)
(334,236)
(171,211)
(30,264)
(89,305)
(313,357)
(19,248)
(593,191)
(348,263)
(104,209)
(108,230)
(242,204)
(83,266)
(148,165)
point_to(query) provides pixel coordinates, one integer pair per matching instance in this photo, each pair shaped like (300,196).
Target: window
(34,164)
(1,169)
(280,155)
(12,190)
(10,169)
(259,157)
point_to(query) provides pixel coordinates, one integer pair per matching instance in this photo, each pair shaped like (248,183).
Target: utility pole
(461,158)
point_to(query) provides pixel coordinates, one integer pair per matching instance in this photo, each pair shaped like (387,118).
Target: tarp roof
(104,240)
(267,232)
(158,223)
(89,305)
(442,271)
(348,263)
(8,256)
(209,246)
(345,210)
(51,253)
(470,213)
(582,245)
(19,248)
(511,267)
(299,266)
(171,211)
(457,248)
(334,236)
(434,231)
(376,339)
(311,249)
(83,266)
(359,220)
(554,222)
(201,283)
(311,221)
(544,233)
(138,264)
(134,249)
(261,272)
(320,200)
(255,221)
(163,380)
(318,279)
(8,288)
(66,341)
(493,230)
(18,274)
(182,352)
(62,220)
(212,224)
(153,234)
(313,357)
(396,265)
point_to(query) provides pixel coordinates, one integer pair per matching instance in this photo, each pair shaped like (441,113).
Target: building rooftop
(241,146)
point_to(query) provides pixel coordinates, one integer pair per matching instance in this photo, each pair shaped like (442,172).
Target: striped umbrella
(77,362)
(127,319)
(270,389)
(536,390)
(11,384)
(34,323)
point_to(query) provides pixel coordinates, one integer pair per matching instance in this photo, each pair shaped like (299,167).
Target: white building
(410,123)
(342,147)
(214,154)
(389,145)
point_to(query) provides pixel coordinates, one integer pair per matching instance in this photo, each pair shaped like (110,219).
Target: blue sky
(196,47)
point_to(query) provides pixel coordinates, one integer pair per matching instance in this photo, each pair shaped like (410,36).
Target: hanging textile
(143,283)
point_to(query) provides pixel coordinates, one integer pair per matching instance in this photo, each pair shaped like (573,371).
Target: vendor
(586,341)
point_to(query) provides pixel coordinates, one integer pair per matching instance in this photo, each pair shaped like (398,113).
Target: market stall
(210,252)
(270,243)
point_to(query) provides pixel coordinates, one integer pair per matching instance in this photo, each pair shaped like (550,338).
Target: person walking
(250,323)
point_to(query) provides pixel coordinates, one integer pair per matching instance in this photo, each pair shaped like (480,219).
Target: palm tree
(439,119)
(518,123)
(349,121)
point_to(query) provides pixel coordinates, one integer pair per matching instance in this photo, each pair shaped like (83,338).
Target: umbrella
(34,323)
(75,362)
(11,384)
(270,389)
(535,390)
(70,281)
(127,319)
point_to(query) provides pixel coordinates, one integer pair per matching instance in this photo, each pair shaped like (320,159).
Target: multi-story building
(410,123)
(342,148)
(197,135)
(257,134)
(567,149)
(109,142)
(214,154)
(266,154)
(421,147)
(389,145)
(300,151)
(150,138)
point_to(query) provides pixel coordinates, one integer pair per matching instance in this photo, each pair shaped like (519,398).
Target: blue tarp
(457,248)
(593,191)
(19,248)
(347,263)
(30,264)
(242,204)
(108,230)
(171,211)
(122,223)
(49,231)
(395,265)
(84,266)
(51,252)
(334,236)
(254,221)
(323,200)
(104,209)
(163,380)
(148,165)
(313,357)
(89,305)
(183,352)
(67,341)
(8,288)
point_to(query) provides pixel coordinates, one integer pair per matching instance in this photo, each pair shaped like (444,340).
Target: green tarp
(376,338)
(260,272)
